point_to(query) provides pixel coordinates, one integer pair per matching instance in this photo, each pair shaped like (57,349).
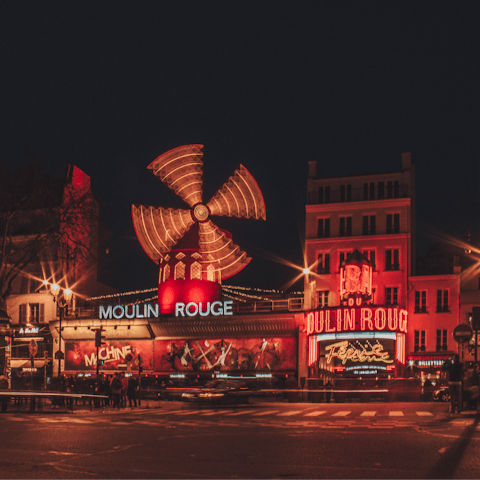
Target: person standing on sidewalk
(116,389)
(131,389)
(455,377)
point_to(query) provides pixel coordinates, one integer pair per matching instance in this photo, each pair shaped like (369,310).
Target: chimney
(313,171)
(406,160)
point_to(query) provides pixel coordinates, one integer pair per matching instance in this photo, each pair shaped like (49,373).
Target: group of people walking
(117,389)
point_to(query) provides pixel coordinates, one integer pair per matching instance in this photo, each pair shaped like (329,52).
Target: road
(275,440)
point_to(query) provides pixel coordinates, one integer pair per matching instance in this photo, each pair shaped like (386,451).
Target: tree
(48,225)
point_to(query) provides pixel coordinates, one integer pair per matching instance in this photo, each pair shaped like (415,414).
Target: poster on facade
(359,356)
(115,354)
(226,355)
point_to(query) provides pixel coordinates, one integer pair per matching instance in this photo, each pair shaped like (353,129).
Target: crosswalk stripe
(288,414)
(241,412)
(368,414)
(188,412)
(424,414)
(260,414)
(342,413)
(395,413)
(315,414)
(214,412)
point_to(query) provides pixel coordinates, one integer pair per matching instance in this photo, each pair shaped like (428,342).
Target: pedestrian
(131,390)
(123,400)
(4,398)
(455,377)
(328,391)
(116,389)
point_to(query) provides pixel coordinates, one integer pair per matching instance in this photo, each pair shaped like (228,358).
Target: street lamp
(62,302)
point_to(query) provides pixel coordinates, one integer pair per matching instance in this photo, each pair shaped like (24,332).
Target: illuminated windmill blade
(240,197)
(181,170)
(158,229)
(218,250)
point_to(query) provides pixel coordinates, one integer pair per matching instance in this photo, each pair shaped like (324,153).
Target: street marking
(368,414)
(342,413)
(260,414)
(214,412)
(287,414)
(189,412)
(169,412)
(424,414)
(315,414)
(241,412)
(395,413)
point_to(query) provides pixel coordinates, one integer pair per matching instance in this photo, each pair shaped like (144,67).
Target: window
(323,228)
(391,296)
(441,340)
(370,254)
(392,259)
(369,224)
(344,256)
(345,193)
(180,271)
(166,273)
(324,194)
(196,271)
(32,313)
(419,341)
(393,223)
(421,301)
(345,227)
(323,298)
(368,191)
(381,190)
(442,301)
(323,263)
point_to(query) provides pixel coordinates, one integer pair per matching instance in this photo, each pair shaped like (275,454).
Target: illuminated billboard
(226,355)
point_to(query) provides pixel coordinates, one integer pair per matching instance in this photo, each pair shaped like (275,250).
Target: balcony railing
(358,195)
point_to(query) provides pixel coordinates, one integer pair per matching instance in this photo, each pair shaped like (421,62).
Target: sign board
(462,333)
(33,348)
(59,355)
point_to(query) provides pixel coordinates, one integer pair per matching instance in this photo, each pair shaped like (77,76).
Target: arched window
(180,271)
(196,271)
(211,273)
(166,273)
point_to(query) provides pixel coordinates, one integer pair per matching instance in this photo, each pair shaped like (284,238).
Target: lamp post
(62,302)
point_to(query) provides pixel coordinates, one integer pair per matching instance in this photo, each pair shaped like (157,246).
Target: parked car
(441,394)
(222,391)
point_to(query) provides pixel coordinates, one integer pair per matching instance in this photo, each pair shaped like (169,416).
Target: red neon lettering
(380,318)
(402,324)
(328,327)
(366,316)
(309,321)
(319,322)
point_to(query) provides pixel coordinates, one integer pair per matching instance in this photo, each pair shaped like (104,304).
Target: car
(222,391)
(441,394)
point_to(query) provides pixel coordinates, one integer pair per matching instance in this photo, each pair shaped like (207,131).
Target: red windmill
(194,254)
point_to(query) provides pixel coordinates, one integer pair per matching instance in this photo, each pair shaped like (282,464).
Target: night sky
(109,86)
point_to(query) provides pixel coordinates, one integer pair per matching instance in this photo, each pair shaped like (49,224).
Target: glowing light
(306,271)
(55,289)
(345,351)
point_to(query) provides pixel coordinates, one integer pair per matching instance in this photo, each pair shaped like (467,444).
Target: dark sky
(109,86)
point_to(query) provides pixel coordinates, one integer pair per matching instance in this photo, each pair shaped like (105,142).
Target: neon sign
(354,319)
(215,308)
(108,354)
(345,351)
(128,311)
(28,330)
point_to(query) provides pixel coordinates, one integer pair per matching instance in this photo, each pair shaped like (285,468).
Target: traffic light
(99,338)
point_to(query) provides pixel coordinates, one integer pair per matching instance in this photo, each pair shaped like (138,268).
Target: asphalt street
(268,440)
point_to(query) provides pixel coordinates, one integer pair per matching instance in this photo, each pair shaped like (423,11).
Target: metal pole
(476,347)
(98,364)
(60,342)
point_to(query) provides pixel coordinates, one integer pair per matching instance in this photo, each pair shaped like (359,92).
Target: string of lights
(235,298)
(254,297)
(124,294)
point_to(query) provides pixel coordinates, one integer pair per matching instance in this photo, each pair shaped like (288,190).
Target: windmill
(194,255)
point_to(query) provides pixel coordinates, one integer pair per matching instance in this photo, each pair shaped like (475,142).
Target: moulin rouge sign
(337,320)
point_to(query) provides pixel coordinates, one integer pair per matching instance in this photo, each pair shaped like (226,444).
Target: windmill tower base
(171,292)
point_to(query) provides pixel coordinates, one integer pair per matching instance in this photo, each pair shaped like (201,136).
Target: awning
(213,328)
(431,356)
(22,363)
